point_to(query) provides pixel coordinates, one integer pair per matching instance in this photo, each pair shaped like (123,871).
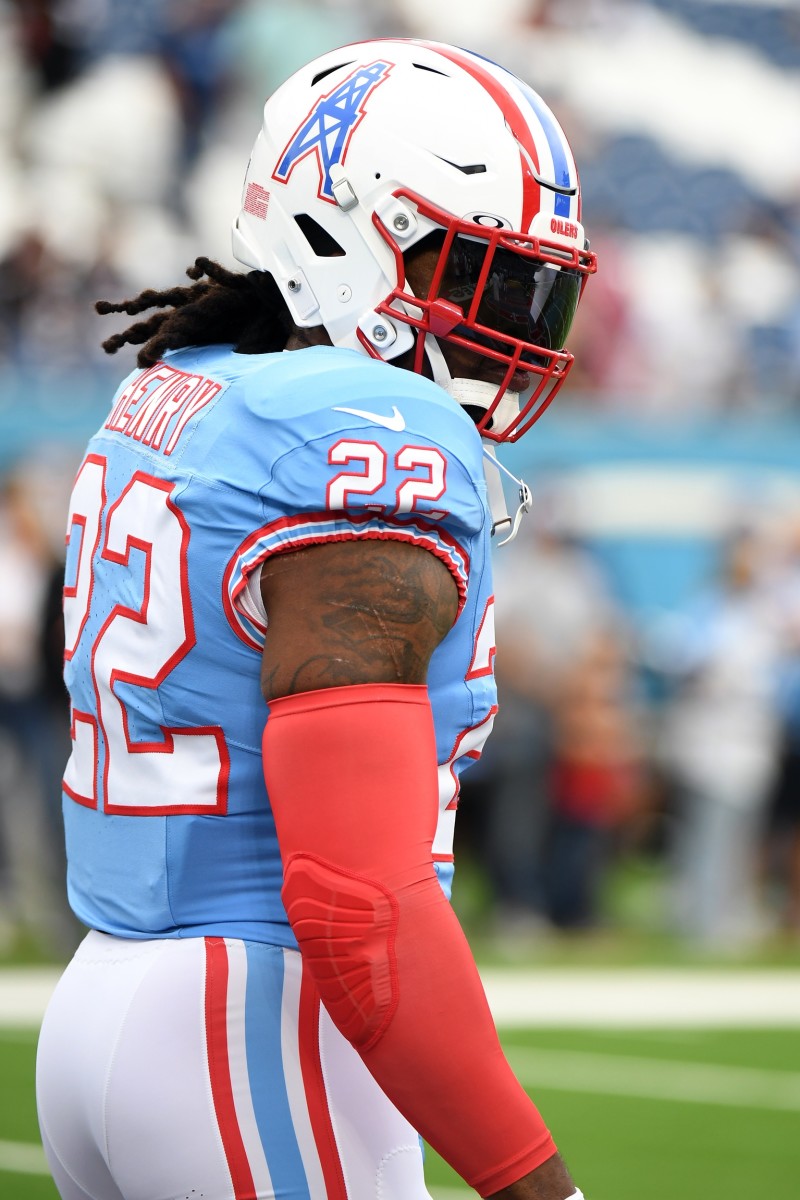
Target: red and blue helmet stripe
(544,150)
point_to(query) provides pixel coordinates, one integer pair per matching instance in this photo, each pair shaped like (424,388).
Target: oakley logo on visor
(329,126)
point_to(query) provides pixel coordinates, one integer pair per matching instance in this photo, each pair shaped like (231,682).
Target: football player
(279,653)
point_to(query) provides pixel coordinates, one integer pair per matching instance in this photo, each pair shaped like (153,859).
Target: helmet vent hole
(433,70)
(320,241)
(467,169)
(329,71)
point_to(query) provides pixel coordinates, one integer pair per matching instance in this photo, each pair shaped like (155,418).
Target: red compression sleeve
(352,780)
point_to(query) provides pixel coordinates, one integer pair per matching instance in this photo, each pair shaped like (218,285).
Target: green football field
(650,1115)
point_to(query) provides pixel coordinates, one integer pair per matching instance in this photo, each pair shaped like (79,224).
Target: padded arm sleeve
(351,775)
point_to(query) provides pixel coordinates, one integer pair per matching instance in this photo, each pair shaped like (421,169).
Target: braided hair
(245,310)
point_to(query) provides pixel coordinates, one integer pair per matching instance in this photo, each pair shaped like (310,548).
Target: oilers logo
(327,129)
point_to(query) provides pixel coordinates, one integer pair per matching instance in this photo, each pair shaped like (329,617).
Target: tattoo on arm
(353,612)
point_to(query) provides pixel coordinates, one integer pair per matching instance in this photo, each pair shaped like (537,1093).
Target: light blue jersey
(210,463)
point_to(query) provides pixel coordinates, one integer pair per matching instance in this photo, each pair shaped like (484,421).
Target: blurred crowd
(673,740)
(124,130)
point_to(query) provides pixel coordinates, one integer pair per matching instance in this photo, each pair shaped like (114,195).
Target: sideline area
(625,997)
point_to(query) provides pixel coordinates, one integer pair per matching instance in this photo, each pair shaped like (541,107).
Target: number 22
(185,770)
(348,484)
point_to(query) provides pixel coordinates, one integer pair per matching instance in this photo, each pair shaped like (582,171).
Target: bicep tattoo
(345,613)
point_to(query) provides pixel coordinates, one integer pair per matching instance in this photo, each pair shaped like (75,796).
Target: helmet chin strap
(481,394)
(492,467)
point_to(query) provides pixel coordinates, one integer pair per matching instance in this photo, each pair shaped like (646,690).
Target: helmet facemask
(508,298)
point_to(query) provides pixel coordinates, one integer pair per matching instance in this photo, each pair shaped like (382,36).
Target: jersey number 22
(180,769)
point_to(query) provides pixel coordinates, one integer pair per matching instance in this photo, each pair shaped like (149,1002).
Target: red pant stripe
(219,1070)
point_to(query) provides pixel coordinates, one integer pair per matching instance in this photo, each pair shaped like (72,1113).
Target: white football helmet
(374,147)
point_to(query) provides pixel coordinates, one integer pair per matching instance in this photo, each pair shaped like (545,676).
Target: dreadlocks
(225,307)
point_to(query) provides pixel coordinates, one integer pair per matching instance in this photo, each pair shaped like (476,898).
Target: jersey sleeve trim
(314,529)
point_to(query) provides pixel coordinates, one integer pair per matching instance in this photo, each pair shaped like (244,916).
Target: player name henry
(157,405)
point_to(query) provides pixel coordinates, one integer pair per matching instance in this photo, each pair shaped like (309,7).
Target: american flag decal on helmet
(327,129)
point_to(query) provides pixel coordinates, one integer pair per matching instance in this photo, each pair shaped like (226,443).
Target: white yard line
(638,998)
(24,993)
(624,998)
(655,1078)
(22,1158)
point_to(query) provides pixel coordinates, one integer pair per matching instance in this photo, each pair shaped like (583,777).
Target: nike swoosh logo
(395,422)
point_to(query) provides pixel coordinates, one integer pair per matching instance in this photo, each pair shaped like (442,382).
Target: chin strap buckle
(497,500)
(525,505)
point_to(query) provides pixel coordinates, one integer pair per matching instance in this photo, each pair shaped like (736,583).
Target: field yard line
(24,993)
(642,997)
(606,998)
(23,1158)
(655,1078)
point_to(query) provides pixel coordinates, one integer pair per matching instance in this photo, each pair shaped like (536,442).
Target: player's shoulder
(292,399)
(331,390)
(321,379)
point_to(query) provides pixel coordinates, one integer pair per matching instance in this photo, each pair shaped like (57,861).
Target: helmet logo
(488,220)
(327,129)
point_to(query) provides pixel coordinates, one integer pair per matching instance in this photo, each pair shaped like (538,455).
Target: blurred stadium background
(639,805)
